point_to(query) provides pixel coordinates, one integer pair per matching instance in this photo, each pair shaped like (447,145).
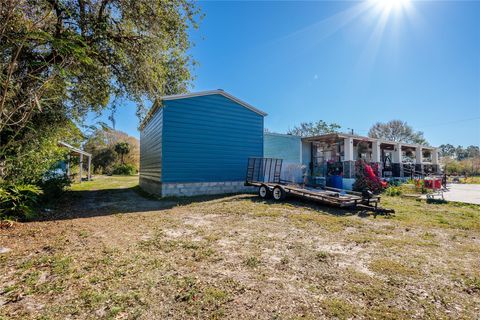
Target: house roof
(157,103)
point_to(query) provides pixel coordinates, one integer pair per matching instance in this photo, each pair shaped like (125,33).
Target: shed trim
(212,92)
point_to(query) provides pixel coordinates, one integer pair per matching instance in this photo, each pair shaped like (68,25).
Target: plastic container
(337,182)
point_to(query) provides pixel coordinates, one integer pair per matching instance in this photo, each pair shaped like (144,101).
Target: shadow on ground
(94,203)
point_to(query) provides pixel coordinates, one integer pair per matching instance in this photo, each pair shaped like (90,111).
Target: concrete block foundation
(188,189)
(204,188)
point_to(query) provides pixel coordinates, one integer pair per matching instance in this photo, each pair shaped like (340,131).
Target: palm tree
(122,148)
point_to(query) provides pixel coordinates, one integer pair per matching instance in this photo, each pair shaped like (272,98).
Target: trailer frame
(270,184)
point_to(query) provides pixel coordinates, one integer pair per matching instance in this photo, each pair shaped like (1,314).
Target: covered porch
(335,155)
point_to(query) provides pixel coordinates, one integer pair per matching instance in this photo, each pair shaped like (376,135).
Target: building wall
(306,153)
(282,146)
(208,139)
(151,153)
(290,149)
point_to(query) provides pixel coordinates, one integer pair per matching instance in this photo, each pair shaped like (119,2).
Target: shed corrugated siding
(209,139)
(283,147)
(151,148)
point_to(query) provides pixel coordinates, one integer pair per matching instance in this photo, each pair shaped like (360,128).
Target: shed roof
(157,104)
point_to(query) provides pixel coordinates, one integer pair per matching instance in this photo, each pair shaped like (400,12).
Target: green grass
(100,182)
(390,267)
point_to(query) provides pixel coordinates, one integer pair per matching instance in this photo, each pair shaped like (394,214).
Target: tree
(447,150)
(68,57)
(473,151)
(461,153)
(306,129)
(37,149)
(101,144)
(122,148)
(396,130)
(104,160)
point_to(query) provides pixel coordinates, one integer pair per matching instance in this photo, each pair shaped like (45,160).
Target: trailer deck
(325,196)
(265,173)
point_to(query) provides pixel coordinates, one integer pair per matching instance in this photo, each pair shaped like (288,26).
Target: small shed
(199,143)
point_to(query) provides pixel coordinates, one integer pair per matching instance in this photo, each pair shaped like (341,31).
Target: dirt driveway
(110,253)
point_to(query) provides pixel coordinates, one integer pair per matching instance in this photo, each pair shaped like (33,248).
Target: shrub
(124,169)
(17,202)
(52,186)
(393,191)
(366,178)
(420,186)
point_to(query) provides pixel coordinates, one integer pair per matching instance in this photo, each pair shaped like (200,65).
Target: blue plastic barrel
(337,182)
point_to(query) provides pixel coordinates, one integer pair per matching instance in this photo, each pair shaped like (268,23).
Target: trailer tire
(263,192)
(278,193)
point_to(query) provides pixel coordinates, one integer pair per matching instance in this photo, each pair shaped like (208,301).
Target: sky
(349,62)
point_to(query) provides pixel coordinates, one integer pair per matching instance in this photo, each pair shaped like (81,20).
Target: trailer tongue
(264,173)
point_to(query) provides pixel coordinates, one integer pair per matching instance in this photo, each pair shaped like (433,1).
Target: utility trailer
(264,173)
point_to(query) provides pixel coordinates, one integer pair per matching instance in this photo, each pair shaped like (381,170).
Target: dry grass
(112,254)
(472,180)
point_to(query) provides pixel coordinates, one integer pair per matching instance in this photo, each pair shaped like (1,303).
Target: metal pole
(81,165)
(68,166)
(89,177)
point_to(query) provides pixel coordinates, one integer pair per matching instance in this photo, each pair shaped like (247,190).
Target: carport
(78,153)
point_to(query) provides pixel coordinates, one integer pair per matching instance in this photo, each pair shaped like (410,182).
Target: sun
(391,5)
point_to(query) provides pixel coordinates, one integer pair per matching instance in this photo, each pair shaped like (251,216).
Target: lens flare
(391,5)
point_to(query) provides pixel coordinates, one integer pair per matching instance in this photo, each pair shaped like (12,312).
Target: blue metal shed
(199,143)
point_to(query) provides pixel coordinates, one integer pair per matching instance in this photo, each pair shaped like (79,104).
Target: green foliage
(397,130)
(75,56)
(105,144)
(103,160)
(53,186)
(124,169)
(18,201)
(420,186)
(393,191)
(122,148)
(446,150)
(459,160)
(308,129)
(60,60)
(35,149)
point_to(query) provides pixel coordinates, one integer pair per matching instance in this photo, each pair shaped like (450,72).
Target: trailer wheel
(278,193)
(263,192)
